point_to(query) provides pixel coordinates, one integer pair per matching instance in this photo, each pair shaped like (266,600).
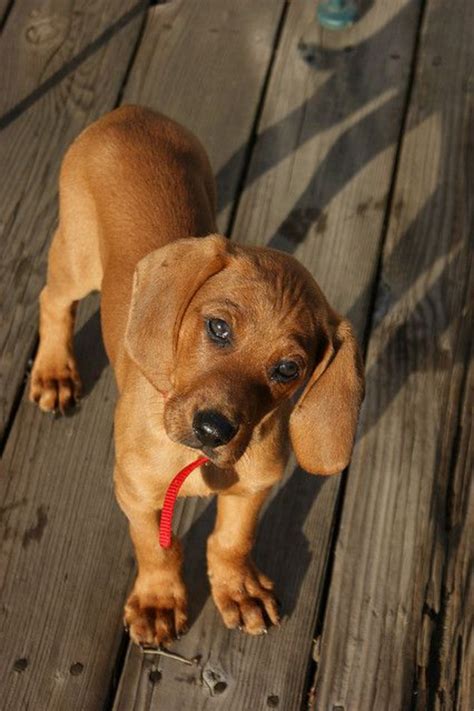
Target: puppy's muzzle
(212,428)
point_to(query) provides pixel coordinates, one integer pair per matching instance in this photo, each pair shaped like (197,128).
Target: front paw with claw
(55,384)
(243,596)
(156,614)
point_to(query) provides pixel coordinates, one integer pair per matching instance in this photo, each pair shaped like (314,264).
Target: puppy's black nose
(213,429)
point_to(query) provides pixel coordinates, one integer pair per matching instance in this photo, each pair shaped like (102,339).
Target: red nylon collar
(166,518)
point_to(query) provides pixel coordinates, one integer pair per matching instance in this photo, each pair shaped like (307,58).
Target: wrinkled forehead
(272,292)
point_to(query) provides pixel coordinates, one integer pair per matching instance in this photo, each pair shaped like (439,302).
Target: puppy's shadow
(90,352)
(282,550)
(195,566)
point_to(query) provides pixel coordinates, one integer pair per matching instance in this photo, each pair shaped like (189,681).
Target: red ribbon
(170,500)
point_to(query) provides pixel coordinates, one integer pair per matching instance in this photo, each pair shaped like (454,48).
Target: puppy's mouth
(222,457)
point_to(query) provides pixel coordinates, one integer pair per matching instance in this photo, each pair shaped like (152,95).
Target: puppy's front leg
(242,594)
(155,611)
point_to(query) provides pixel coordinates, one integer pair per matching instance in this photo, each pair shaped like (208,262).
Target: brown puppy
(208,340)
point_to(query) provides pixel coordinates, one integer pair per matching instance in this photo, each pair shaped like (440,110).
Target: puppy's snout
(212,428)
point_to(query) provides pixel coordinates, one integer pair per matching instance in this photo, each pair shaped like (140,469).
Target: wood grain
(63,65)
(451,638)
(398,623)
(317,186)
(65,556)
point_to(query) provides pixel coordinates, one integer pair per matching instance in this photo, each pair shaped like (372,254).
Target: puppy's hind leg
(55,382)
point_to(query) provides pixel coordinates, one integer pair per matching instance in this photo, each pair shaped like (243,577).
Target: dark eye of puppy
(284,371)
(219,331)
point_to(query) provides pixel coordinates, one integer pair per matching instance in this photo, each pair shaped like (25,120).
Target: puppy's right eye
(284,371)
(219,331)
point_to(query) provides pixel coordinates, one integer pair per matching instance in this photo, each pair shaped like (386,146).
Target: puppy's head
(228,333)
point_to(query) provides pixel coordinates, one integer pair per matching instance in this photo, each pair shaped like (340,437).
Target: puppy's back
(130,183)
(149,178)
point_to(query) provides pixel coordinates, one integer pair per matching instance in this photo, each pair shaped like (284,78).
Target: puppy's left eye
(284,371)
(218,331)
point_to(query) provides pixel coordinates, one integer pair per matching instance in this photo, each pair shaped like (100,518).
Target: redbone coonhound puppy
(209,341)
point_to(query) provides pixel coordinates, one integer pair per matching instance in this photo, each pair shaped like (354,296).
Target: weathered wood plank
(204,64)
(61,469)
(65,556)
(63,65)
(398,625)
(452,637)
(317,186)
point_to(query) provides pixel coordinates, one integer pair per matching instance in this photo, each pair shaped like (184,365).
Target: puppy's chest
(150,460)
(152,467)
(209,479)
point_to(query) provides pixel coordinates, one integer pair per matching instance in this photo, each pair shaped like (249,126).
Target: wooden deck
(356,155)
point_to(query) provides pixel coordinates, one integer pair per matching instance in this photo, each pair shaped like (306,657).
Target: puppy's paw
(244,597)
(55,385)
(156,617)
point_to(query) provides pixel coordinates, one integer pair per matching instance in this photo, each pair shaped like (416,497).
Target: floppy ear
(323,422)
(164,283)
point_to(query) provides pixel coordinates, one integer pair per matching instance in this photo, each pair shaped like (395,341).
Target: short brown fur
(137,221)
